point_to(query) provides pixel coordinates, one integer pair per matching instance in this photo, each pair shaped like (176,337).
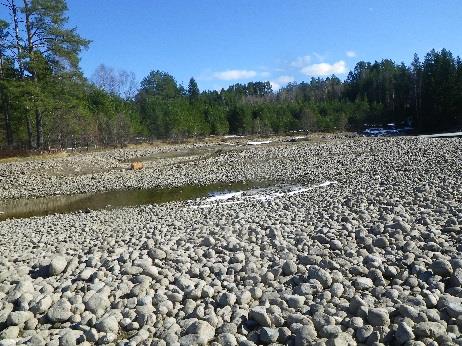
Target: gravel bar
(372,259)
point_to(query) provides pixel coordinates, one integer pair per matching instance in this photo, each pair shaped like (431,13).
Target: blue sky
(222,42)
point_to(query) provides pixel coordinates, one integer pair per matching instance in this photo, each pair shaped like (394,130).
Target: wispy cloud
(234,74)
(351,54)
(320,57)
(325,69)
(301,61)
(285,79)
(280,81)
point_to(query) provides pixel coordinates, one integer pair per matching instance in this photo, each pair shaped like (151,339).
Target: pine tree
(5,67)
(193,90)
(42,46)
(161,84)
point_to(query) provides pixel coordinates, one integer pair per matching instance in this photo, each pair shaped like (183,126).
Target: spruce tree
(193,90)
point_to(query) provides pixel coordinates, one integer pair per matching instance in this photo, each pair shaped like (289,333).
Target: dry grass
(310,137)
(35,156)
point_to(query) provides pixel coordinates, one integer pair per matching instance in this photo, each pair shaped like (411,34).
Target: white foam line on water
(260,196)
(224,197)
(258,143)
(204,206)
(438,135)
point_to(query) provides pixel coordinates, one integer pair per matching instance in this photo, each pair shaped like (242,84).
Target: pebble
(289,268)
(442,268)
(108,325)
(268,335)
(404,333)
(259,315)
(17,318)
(201,328)
(60,311)
(11,332)
(98,304)
(320,275)
(57,265)
(374,259)
(378,317)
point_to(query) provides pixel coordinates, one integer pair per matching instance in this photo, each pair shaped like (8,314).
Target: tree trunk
(30,51)
(29,132)
(7,121)
(30,45)
(14,12)
(39,128)
(6,109)
(416,100)
(420,96)
(19,58)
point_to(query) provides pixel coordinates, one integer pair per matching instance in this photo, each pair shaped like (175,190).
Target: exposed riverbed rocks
(374,259)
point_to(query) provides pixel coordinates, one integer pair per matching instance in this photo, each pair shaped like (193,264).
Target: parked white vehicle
(374,132)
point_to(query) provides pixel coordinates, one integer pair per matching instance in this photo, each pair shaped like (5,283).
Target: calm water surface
(24,208)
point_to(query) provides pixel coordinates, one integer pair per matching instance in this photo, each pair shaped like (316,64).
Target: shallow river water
(24,208)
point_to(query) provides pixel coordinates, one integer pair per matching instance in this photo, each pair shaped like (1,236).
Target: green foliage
(240,119)
(193,90)
(44,99)
(47,34)
(160,84)
(43,54)
(440,91)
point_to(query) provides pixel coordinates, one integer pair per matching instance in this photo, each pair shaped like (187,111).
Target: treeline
(426,95)
(45,101)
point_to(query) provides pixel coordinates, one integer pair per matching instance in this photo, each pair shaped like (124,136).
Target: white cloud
(351,54)
(320,57)
(301,61)
(265,74)
(285,79)
(325,69)
(234,74)
(282,80)
(275,86)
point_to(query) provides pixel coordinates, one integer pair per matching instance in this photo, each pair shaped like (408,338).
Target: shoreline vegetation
(46,102)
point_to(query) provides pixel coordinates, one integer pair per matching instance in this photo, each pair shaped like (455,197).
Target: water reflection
(24,208)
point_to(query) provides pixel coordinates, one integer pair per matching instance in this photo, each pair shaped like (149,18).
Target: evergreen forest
(47,102)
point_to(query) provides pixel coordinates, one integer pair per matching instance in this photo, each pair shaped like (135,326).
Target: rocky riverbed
(373,257)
